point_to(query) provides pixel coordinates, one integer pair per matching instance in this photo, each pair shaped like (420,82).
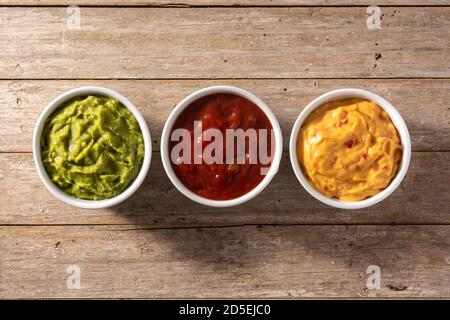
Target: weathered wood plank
(423,198)
(236,262)
(423,104)
(332,42)
(186,3)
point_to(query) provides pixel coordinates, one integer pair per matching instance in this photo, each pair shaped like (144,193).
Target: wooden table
(282,244)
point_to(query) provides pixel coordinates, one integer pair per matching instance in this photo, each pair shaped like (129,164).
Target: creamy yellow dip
(92,147)
(349,149)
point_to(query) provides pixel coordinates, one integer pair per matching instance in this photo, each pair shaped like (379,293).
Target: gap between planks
(144,227)
(224,79)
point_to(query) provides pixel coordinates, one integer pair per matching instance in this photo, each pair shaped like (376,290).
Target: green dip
(92,147)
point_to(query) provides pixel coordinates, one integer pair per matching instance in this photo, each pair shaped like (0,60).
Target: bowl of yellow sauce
(350,148)
(91,147)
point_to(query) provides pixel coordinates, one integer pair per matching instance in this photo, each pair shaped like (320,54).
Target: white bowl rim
(54,190)
(186,102)
(396,118)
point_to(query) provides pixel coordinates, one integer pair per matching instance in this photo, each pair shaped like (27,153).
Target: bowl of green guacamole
(91,147)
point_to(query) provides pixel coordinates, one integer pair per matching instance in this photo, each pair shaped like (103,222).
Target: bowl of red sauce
(221,146)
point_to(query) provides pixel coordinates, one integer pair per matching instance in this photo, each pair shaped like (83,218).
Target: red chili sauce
(221,181)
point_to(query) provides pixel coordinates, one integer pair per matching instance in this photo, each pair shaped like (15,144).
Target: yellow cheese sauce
(349,149)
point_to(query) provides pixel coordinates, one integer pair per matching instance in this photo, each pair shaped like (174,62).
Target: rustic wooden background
(282,244)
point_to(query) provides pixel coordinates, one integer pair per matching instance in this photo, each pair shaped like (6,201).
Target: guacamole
(92,147)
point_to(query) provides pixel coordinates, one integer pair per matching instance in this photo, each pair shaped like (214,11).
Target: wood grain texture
(188,3)
(224,43)
(235,262)
(282,244)
(422,198)
(422,103)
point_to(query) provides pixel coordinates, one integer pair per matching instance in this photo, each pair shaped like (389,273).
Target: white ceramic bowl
(80,203)
(166,137)
(396,119)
